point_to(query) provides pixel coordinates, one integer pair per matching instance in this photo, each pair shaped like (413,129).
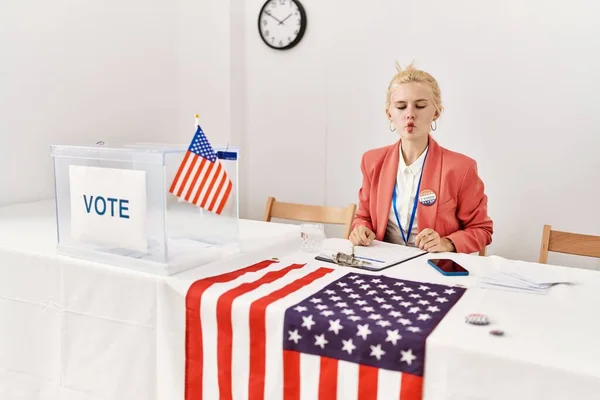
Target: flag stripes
(201,178)
(234,335)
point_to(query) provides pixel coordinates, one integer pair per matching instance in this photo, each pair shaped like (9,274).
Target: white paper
(108,207)
(384,253)
(518,281)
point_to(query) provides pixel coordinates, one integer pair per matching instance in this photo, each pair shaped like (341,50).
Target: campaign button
(427,197)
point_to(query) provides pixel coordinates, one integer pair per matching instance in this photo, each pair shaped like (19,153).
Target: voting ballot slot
(145,206)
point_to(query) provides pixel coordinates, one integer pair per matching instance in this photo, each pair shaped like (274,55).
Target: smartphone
(448,267)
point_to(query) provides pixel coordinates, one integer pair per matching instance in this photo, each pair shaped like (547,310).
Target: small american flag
(201,178)
(275,331)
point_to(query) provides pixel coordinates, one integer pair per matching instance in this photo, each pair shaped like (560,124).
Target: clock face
(281,23)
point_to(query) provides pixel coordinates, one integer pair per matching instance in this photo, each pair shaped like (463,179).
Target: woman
(416,192)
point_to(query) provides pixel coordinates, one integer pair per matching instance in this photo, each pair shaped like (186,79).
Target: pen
(369,259)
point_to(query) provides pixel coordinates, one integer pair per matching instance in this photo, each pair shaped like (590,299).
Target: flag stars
(393,336)
(363,331)
(348,346)
(375,317)
(335,326)
(407,356)
(307,322)
(294,336)
(377,352)
(320,340)
(424,317)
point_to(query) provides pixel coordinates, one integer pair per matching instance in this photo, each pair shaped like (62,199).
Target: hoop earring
(391,124)
(434,127)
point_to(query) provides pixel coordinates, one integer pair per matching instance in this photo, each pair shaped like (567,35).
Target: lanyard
(412,217)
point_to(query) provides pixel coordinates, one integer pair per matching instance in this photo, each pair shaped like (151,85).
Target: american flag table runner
(292,331)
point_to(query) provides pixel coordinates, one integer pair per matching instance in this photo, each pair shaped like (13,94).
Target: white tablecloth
(72,329)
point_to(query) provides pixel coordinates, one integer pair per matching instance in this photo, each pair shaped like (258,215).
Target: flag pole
(196,116)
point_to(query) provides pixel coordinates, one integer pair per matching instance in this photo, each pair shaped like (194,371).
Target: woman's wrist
(448,245)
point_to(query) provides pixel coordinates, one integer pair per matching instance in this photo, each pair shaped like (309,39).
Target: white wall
(286,115)
(203,54)
(79,71)
(518,79)
(73,72)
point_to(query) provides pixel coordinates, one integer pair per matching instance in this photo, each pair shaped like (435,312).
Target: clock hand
(281,22)
(271,15)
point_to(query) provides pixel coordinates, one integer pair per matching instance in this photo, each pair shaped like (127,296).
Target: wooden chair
(311,213)
(568,243)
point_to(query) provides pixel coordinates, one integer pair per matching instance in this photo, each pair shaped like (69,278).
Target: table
(80,330)
(73,329)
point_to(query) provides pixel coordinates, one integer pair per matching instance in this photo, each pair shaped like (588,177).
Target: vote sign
(108,207)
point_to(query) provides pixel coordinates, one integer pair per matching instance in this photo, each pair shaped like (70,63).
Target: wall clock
(281,23)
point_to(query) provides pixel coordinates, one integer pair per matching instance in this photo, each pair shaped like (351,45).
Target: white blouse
(407,182)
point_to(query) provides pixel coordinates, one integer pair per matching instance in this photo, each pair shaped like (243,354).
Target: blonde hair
(412,74)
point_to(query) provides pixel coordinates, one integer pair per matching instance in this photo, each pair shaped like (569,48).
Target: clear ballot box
(114,205)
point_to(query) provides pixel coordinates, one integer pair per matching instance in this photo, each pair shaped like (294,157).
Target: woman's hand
(362,236)
(429,240)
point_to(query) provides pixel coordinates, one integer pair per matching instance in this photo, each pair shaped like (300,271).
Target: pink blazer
(459,212)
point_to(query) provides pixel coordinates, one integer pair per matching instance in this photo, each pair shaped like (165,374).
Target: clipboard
(352,261)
